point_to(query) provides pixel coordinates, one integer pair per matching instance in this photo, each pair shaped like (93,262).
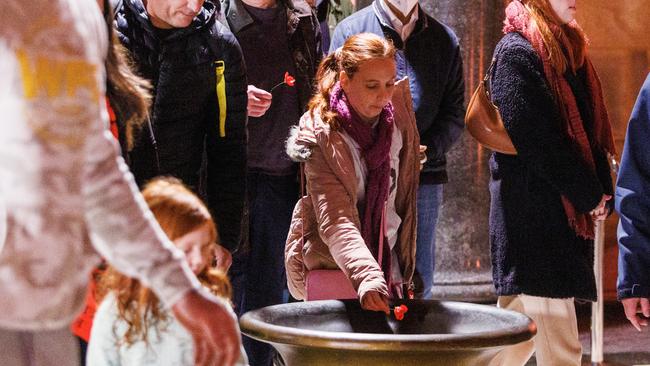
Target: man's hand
(601,211)
(635,305)
(259,101)
(212,325)
(222,258)
(374,301)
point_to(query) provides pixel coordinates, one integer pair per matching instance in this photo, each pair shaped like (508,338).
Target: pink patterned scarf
(519,20)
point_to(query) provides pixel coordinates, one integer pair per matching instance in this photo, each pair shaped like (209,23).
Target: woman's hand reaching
(375,301)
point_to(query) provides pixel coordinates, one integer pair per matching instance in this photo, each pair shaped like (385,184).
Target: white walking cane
(597,307)
(597,310)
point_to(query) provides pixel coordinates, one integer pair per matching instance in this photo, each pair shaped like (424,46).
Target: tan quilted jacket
(328,217)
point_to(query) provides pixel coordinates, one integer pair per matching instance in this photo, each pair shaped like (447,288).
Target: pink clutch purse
(328,284)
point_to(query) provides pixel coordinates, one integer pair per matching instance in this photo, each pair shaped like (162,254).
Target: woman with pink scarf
(545,199)
(359,145)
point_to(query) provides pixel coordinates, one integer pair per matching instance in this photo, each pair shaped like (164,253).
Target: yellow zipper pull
(219,70)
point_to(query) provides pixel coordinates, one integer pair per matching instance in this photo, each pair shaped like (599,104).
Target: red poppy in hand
(288,79)
(399,311)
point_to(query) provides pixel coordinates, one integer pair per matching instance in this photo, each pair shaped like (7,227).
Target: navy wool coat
(633,203)
(534,251)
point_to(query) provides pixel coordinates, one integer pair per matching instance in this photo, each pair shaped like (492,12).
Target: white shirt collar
(404,30)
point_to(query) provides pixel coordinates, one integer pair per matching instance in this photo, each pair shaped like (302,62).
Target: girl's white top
(169,344)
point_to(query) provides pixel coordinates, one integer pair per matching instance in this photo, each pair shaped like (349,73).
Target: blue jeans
(258,276)
(428,202)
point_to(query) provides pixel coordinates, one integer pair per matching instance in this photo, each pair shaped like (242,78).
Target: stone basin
(339,332)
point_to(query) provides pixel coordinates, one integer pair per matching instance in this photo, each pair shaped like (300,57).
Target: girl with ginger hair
(131,327)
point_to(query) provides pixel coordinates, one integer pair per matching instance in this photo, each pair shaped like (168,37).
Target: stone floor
(624,346)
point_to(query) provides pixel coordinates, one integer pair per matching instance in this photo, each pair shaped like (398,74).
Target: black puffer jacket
(534,250)
(183,65)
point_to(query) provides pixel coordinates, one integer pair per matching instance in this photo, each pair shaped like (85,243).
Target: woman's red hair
(566,44)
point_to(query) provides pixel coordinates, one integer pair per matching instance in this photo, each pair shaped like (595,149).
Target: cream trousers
(556,342)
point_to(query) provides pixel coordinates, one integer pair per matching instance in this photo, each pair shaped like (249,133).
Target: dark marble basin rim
(520,329)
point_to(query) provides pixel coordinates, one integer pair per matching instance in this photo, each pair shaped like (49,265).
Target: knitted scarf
(375,150)
(519,20)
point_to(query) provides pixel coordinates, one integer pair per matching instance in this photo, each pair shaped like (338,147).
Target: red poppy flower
(399,311)
(288,79)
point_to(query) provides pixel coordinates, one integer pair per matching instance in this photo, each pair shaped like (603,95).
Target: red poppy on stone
(399,311)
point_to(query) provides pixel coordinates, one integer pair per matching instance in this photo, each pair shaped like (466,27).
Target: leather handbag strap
(302,179)
(302,210)
(483,120)
(382,228)
(487,79)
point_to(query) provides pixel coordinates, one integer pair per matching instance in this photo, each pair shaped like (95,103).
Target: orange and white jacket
(65,194)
